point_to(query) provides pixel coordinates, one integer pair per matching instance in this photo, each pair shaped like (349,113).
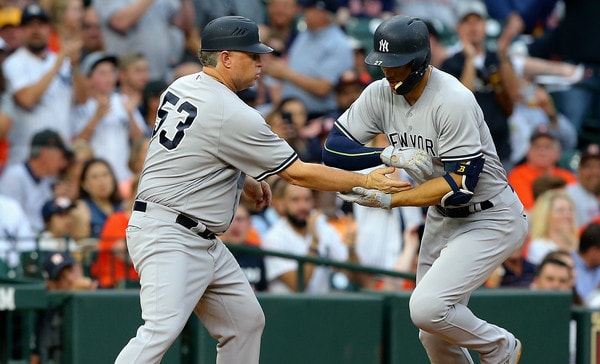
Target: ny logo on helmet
(383,45)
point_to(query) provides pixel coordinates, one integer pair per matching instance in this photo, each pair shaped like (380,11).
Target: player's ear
(225,57)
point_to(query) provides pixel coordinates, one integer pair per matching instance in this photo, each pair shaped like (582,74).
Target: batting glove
(410,159)
(366,197)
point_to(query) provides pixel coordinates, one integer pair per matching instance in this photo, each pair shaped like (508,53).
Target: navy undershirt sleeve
(342,152)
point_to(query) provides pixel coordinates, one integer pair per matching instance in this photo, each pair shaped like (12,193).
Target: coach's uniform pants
(457,256)
(181,273)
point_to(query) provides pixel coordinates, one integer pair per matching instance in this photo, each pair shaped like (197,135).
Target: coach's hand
(378,180)
(366,197)
(414,160)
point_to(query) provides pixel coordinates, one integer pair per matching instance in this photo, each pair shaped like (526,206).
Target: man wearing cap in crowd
(107,120)
(489,74)
(10,28)
(586,192)
(316,60)
(58,224)
(62,273)
(541,159)
(31,182)
(42,85)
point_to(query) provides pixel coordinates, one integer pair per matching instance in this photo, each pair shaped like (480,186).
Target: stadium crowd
(81,82)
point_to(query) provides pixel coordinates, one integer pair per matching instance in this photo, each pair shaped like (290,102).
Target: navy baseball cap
(50,139)
(232,33)
(55,206)
(55,263)
(32,12)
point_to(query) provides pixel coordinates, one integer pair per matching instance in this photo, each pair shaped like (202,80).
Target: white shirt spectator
(15,233)
(281,237)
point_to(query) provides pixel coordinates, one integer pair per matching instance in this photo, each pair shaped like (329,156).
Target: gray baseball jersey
(448,125)
(457,254)
(205,141)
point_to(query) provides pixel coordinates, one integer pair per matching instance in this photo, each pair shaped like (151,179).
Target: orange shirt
(3,153)
(108,268)
(522,177)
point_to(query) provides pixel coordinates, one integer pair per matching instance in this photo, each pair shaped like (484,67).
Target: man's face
(246,68)
(65,280)
(54,160)
(543,152)
(554,277)
(37,33)
(298,203)
(239,228)
(395,75)
(472,29)
(589,174)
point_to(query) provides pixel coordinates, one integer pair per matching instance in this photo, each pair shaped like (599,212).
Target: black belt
(465,210)
(181,219)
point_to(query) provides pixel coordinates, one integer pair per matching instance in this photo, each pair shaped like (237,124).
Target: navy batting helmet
(398,41)
(232,33)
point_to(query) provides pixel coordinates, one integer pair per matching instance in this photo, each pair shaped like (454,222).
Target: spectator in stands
(98,198)
(586,191)
(10,28)
(107,120)
(280,28)
(151,102)
(287,121)
(31,183)
(42,84)
(62,274)
(587,265)
(553,226)
(515,271)
(489,74)
(16,235)
(113,267)
(443,11)
(252,265)
(541,159)
(93,40)
(439,51)
(67,184)
(536,108)
(264,219)
(302,231)
(134,75)
(553,275)
(370,9)
(67,22)
(154,28)
(569,42)
(207,10)
(316,60)
(59,223)
(137,156)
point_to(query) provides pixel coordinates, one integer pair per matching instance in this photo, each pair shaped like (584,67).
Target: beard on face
(296,222)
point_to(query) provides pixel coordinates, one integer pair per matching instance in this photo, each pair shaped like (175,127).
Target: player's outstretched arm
(325,178)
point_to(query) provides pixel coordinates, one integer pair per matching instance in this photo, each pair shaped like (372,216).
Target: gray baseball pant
(181,273)
(456,257)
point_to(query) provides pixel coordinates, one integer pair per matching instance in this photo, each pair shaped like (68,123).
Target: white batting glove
(410,159)
(366,197)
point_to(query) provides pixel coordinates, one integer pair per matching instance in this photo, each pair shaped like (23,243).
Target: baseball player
(474,221)
(208,148)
